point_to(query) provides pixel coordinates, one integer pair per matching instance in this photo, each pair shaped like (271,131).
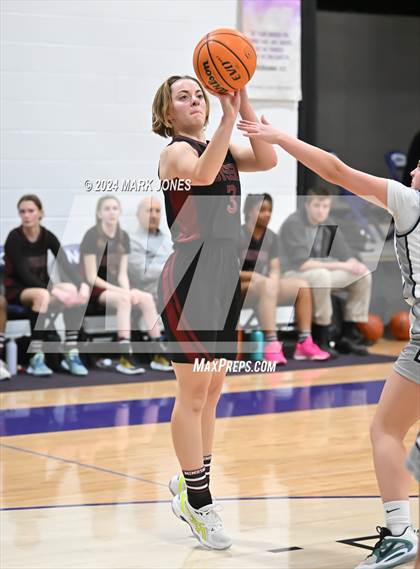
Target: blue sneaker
(73,363)
(37,365)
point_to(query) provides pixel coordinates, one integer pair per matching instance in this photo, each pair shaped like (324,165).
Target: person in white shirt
(150,247)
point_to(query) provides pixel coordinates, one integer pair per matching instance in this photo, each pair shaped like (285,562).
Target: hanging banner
(274,28)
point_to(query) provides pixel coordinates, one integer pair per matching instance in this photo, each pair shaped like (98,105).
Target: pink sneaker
(308,350)
(273,352)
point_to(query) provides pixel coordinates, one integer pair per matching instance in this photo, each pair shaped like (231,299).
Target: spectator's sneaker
(160,363)
(205,523)
(104,363)
(73,363)
(37,365)
(273,352)
(347,346)
(4,372)
(177,484)
(391,550)
(308,350)
(127,366)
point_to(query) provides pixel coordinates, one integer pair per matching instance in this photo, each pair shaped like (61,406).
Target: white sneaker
(160,363)
(177,484)
(4,372)
(205,523)
(391,550)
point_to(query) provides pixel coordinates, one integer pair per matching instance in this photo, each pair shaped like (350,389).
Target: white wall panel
(77,84)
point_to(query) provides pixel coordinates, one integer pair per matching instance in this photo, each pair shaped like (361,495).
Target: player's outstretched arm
(326,165)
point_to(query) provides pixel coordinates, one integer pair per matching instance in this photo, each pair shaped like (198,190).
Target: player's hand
(230,104)
(259,130)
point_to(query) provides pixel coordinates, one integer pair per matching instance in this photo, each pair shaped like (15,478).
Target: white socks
(397,516)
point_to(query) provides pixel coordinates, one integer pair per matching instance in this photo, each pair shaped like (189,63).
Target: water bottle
(257,339)
(11,356)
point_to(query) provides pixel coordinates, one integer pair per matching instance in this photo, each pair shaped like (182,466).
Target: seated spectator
(4,372)
(315,249)
(104,260)
(150,248)
(27,283)
(263,287)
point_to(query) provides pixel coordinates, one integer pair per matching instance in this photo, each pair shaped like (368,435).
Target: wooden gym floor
(85,486)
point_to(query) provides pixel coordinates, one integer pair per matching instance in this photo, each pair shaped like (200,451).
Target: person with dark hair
(104,261)
(314,248)
(399,405)
(4,372)
(27,282)
(199,289)
(263,287)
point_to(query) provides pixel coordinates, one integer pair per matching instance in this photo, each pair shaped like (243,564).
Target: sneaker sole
(64,365)
(159,367)
(31,372)
(314,359)
(127,372)
(180,516)
(390,564)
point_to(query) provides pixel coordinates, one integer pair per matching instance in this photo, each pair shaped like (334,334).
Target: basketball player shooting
(399,406)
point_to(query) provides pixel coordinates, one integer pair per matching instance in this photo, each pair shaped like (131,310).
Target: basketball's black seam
(233,53)
(198,58)
(242,37)
(216,70)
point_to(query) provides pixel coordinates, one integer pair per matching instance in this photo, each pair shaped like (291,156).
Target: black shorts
(200,302)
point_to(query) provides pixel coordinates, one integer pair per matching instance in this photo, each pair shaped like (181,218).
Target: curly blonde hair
(162,103)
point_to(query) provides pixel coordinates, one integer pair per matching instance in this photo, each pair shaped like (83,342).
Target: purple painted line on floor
(158,410)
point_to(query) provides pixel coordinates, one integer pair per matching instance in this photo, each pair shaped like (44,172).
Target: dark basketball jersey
(205,212)
(26,262)
(256,254)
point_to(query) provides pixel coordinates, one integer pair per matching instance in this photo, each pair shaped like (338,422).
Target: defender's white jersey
(404,206)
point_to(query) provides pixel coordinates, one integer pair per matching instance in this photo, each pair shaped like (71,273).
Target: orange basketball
(399,325)
(373,329)
(224,60)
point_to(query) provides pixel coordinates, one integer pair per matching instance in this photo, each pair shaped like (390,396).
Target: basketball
(373,329)
(399,325)
(224,60)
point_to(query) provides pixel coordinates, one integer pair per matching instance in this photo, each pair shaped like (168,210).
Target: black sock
(303,335)
(348,328)
(71,340)
(2,339)
(197,488)
(38,332)
(270,337)
(207,463)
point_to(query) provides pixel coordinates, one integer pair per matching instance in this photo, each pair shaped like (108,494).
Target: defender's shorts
(413,459)
(408,362)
